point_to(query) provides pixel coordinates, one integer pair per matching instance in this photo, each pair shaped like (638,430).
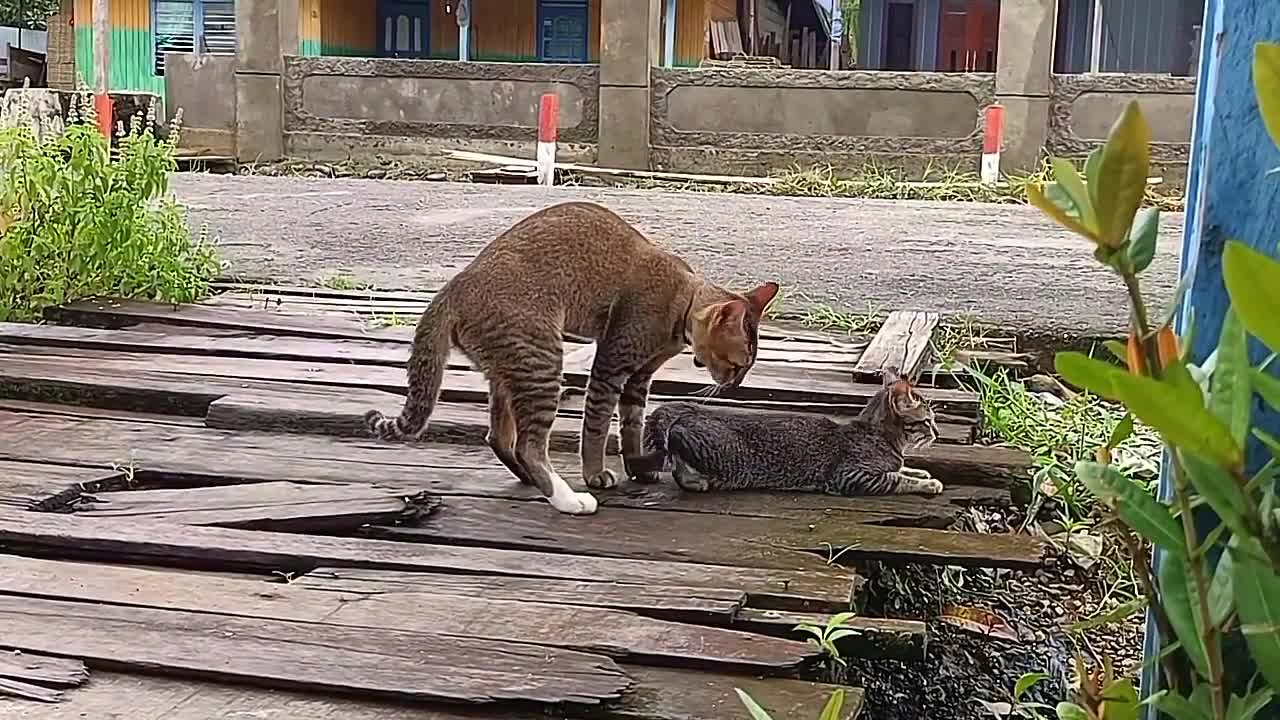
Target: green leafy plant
(78,222)
(1209,590)
(826,636)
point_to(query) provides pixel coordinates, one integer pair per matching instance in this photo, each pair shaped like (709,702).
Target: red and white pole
(102,65)
(992,139)
(548,113)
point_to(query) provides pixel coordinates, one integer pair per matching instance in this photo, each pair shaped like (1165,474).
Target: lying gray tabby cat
(708,448)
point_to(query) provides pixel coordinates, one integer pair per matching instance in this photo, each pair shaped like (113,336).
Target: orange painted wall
(692,17)
(348,27)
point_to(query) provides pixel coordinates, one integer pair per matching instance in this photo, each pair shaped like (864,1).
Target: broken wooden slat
(615,633)
(48,671)
(43,486)
(279,506)
(28,691)
(704,605)
(657,694)
(399,664)
(868,637)
(901,344)
(742,541)
(230,549)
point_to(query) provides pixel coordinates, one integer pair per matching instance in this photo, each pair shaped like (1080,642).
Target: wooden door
(968,33)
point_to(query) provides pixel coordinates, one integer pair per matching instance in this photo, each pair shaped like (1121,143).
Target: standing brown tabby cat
(577,268)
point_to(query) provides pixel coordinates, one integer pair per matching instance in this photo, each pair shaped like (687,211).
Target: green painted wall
(132,61)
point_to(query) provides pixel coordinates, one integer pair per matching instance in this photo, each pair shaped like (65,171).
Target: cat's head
(725,333)
(902,406)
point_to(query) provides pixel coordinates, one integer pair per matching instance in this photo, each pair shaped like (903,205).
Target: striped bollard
(548,110)
(992,138)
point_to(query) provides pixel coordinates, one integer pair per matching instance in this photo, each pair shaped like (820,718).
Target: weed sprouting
(78,222)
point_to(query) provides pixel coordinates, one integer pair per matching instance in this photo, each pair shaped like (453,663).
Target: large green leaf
(1070,711)
(1266,85)
(1231,394)
(1221,595)
(1142,238)
(835,704)
(1178,600)
(1117,191)
(1257,594)
(1038,197)
(1247,707)
(1178,707)
(1073,185)
(1218,488)
(1268,386)
(1120,700)
(1135,506)
(1096,376)
(1253,282)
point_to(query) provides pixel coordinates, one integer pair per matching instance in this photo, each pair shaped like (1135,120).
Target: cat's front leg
(609,372)
(915,473)
(911,484)
(631,406)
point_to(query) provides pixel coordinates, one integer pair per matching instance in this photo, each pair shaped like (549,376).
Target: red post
(992,139)
(548,118)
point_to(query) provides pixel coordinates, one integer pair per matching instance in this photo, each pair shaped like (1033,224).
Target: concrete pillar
(629,43)
(1023,69)
(267,31)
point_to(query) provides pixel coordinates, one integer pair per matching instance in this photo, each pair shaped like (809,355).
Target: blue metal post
(1229,196)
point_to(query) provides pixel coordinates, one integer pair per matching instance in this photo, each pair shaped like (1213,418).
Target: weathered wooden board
(398,664)
(28,691)
(231,549)
(901,344)
(705,605)
(48,671)
(740,541)
(39,486)
(184,456)
(615,633)
(658,694)
(279,506)
(868,637)
(341,413)
(765,382)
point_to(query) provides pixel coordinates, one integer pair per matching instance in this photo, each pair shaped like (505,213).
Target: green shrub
(78,222)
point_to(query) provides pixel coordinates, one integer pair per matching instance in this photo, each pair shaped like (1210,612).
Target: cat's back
(581,235)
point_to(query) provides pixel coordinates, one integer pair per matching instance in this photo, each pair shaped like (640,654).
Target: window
(178,24)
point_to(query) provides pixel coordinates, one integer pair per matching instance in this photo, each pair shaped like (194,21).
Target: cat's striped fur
(707,448)
(574,268)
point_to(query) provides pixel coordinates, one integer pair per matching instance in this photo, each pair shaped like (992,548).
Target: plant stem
(1142,325)
(1174,674)
(1195,560)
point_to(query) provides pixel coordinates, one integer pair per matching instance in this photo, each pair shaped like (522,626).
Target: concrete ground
(1003,264)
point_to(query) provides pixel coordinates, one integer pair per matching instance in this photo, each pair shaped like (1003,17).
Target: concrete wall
(1083,108)
(340,107)
(204,88)
(754,120)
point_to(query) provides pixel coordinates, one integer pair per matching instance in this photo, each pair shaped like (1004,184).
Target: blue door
(562,31)
(404,29)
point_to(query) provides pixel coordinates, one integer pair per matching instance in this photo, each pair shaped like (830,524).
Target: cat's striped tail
(427,362)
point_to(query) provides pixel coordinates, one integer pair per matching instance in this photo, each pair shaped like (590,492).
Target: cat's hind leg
(502,432)
(913,483)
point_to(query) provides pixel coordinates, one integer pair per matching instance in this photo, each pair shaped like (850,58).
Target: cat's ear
(760,297)
(730,313)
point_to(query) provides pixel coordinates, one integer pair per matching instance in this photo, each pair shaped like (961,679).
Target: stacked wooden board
(424,573)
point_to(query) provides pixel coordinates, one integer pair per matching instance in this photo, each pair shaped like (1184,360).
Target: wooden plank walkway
(424,573)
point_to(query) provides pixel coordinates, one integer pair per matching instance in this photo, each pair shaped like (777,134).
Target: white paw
(930,486)
(603,480)
(573,503)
